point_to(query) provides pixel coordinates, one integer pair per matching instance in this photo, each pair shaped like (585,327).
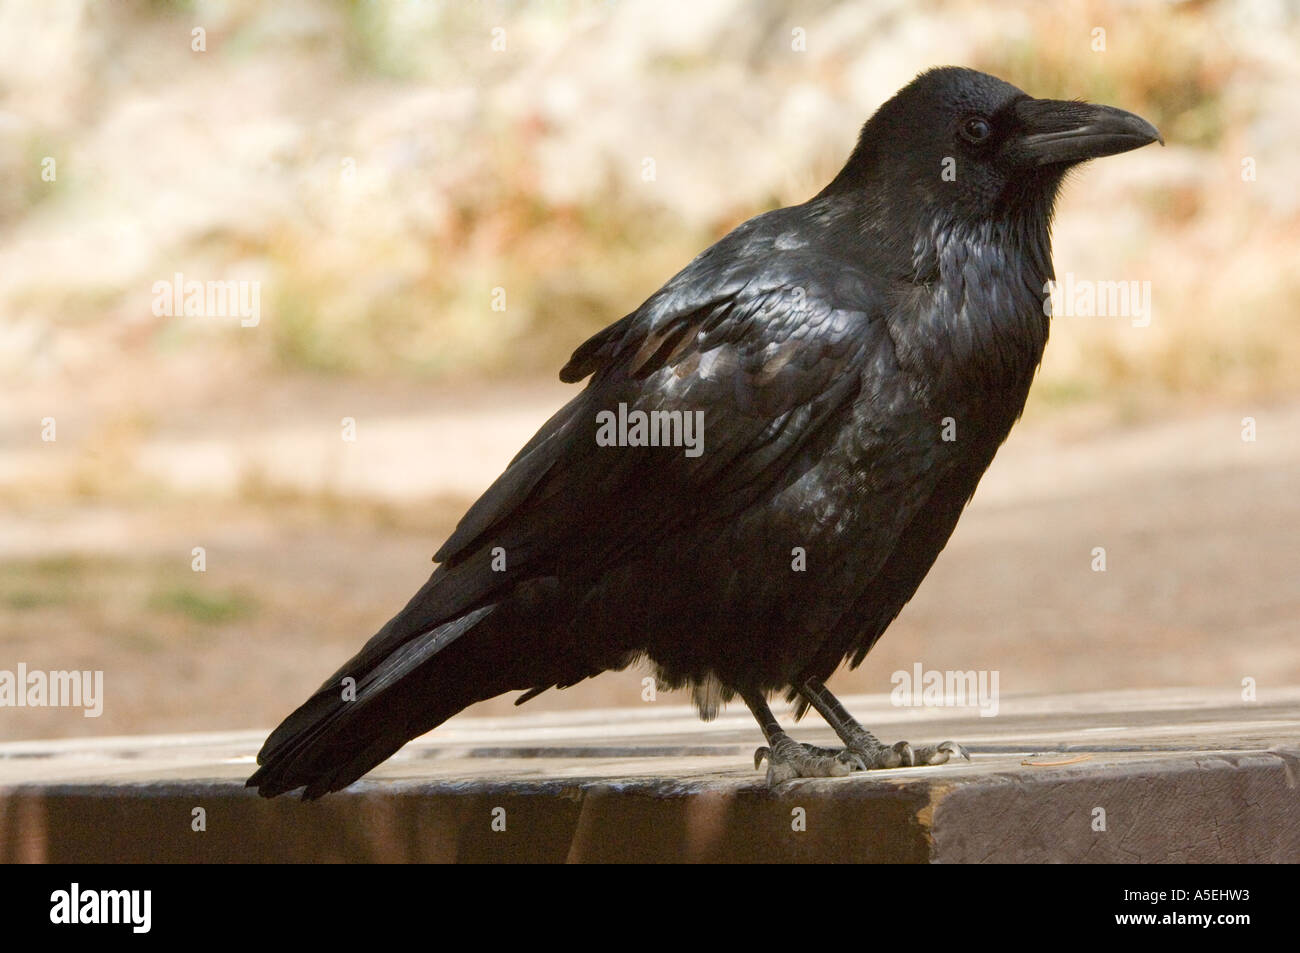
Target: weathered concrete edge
(1213,807)
(1209,807)
(639,820)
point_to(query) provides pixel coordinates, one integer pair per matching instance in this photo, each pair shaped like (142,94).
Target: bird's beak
(1054,132)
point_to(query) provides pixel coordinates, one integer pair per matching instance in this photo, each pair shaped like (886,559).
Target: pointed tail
(385,696)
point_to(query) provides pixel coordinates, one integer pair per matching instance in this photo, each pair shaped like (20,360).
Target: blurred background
(436,202)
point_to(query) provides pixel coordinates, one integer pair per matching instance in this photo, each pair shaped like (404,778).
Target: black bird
(835,376)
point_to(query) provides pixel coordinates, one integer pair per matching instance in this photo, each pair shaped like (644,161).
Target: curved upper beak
(1053,131)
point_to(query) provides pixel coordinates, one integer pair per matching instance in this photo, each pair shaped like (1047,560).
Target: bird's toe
(940,753)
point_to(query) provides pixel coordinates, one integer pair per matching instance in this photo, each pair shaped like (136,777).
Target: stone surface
(1181,776)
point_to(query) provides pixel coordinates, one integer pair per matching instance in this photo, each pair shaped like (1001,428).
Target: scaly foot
(788,759)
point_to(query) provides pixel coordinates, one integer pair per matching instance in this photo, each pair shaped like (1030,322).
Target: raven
(769,456)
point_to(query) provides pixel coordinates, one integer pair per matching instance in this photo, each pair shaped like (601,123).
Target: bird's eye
(976,129)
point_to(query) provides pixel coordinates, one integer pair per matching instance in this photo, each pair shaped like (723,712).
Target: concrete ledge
(1182,776)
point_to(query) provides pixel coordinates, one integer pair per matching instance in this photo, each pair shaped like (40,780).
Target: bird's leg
(787,758)
(866,749)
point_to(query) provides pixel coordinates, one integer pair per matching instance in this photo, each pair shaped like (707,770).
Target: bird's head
(958,142)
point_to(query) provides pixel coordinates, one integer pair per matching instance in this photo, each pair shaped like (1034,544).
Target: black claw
(907,757)
(953,748)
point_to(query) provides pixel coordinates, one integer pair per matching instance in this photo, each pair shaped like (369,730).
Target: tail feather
(338,734)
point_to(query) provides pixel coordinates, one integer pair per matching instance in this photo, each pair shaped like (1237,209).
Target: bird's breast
(975,322)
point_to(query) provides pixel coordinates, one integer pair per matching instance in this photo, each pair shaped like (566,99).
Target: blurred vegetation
(65,580)
(471,169)
(204,607)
